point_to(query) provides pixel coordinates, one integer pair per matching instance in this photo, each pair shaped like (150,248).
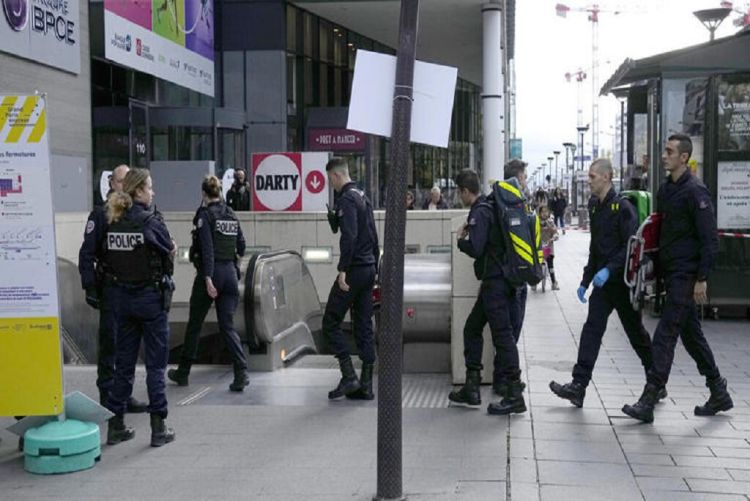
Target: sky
(548,46)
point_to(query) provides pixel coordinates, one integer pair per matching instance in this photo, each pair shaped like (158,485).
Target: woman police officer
(217,241)
(139,254)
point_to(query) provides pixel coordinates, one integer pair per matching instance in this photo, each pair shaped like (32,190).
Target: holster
(333,219)
(167,291)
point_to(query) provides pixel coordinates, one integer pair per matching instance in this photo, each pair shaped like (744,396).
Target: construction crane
(578,76)
(593,12)
(744,18)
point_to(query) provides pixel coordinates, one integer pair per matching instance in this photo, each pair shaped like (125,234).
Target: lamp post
(581,130)
(549,162)
(712,18)
(569,147)
(557,170)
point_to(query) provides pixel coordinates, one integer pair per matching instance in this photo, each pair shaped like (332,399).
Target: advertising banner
(733,196)
(290,181)
(170,39)
(30,350)
(45,31)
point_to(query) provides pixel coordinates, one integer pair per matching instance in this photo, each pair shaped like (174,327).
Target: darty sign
(46,31)
(289,181)
(335,140)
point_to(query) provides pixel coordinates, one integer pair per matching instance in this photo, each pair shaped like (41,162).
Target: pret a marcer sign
(290,181)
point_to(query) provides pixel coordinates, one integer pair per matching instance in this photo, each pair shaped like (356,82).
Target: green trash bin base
(61,447)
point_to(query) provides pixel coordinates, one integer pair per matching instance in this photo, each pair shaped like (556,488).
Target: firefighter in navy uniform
(217,242)
(357,268)
(139,260)
(688,245)
(91,266)
(497,304)
(613,222)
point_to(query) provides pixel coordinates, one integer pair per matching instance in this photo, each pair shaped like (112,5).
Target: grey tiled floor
(282,439)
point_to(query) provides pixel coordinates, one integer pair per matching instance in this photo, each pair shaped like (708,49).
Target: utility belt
(165,285)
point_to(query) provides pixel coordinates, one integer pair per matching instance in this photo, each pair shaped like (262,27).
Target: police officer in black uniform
(688,245)
(480,239)
(613,221)
(217,243)
(139,261)
(357,268)
(91,268)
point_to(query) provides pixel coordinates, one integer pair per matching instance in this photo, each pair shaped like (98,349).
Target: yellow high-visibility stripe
(519,242)
(540,256)
(511,189)
(5,108)
(524,255)
(38,130)
(537,232)
(22,120)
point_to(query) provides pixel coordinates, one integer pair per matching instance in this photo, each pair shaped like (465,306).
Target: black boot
(643,409)
(117,431)
(365,380)
(500,387)
(719,399)
(512,402)
(349,382)
(468,394)
(160,433)
(574,392)
(136,406)
(180,374)
(240,379)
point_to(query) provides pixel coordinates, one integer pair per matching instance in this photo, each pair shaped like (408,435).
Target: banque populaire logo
(16,13)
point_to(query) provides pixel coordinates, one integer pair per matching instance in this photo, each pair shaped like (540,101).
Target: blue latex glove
(581,294)
(601,277)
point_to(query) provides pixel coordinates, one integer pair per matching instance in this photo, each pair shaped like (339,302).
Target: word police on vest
(124,241)
(276,182)
(227,227)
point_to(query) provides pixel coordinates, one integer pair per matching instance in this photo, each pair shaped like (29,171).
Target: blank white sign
(371,106)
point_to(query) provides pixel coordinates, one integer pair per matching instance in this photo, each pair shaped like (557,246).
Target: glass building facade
(139,119)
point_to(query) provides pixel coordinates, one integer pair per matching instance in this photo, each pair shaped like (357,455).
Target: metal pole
(622,140)
(493,86)
(390,469)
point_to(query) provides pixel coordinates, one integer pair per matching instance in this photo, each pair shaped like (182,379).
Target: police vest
(130,259)
(224,231)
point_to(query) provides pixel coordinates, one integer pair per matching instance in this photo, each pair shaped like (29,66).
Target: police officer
(217,242)
(139,267)
(357,267)
(497,303)
(613,221)
(688,245)
(91,268)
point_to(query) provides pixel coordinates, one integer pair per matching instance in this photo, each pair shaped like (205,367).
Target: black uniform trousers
(225,281)
(105,360)
(614,295)
(474,327)
(359,298)
(139,314)
(499,305)
(680,319)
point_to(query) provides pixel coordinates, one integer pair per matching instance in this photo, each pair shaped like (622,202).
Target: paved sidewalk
(283,440)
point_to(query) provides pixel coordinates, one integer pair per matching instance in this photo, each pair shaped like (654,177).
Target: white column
(493,142)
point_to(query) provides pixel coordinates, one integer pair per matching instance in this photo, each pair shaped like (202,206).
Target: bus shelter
(702,91)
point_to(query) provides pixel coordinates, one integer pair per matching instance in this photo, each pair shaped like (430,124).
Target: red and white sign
(290,181)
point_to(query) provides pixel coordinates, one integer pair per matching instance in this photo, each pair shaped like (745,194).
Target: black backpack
(520,254)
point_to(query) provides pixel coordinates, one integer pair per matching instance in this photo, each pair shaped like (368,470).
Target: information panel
(170,39)
(30,349)
(733,196)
